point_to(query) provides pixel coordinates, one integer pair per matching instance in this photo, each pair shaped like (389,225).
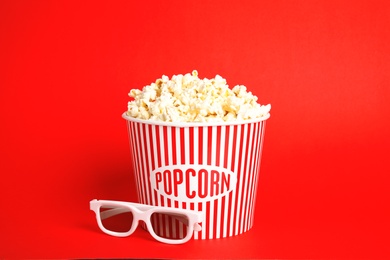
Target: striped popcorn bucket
(209,167)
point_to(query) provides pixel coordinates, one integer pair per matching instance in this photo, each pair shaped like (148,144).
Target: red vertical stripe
(191,144)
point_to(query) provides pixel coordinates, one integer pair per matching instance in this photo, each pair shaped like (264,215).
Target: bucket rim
(194,124)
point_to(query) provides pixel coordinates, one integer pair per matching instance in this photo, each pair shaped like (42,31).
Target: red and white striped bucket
(209,167)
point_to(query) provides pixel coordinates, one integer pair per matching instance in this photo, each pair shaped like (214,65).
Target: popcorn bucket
(209,167)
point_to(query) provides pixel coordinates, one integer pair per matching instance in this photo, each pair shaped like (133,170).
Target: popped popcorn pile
(186,98)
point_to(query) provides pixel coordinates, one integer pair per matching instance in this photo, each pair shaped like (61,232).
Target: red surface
(66,69)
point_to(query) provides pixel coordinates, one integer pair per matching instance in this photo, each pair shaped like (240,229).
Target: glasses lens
(170,225)
(116,219)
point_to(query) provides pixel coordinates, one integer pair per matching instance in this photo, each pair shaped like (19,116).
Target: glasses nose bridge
(143,216)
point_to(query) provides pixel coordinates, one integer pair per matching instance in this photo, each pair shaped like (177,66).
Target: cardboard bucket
(209,167)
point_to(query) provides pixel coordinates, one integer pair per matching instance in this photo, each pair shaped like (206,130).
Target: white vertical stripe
(239,192)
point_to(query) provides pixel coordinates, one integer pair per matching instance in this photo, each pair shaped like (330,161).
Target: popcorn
(186,98)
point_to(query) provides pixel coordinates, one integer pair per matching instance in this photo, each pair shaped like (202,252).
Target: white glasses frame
(144,212)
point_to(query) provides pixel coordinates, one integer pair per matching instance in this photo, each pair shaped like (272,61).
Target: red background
(66,69)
